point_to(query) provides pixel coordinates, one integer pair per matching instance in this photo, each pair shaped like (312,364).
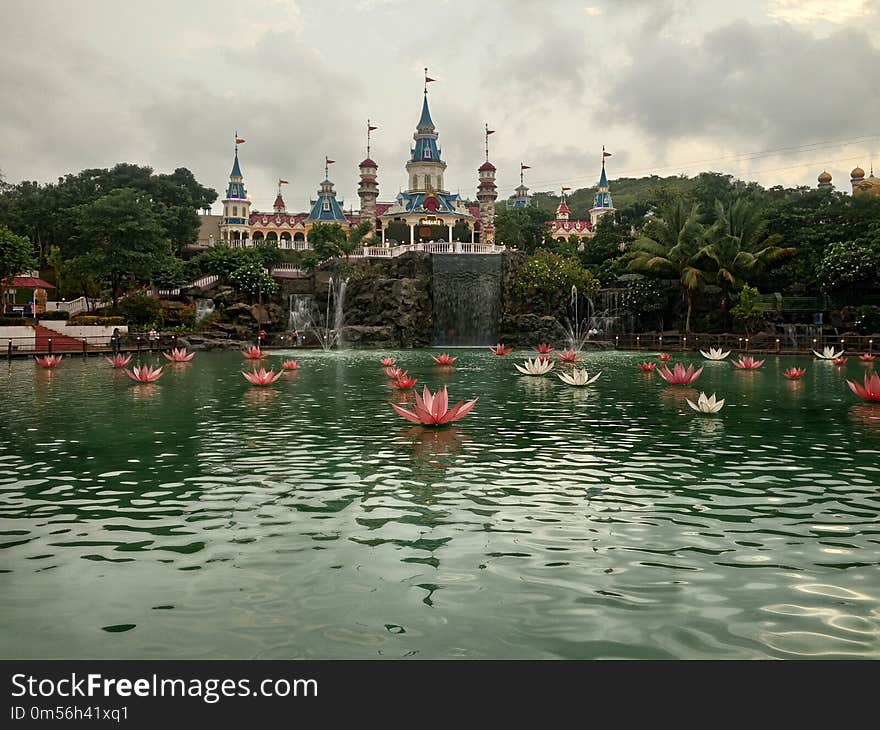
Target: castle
(426,211)
(861,185)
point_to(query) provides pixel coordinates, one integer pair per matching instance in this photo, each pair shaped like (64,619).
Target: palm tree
(674,248)
(355,238)
(737,246)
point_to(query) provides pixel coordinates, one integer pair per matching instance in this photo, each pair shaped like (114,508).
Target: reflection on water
(202,517)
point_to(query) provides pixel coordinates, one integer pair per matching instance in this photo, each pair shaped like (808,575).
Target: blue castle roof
(603,180)
(236,170)
(426,149)
(603,195)
(326,207)
(415,202)
(235,190)
(425,120)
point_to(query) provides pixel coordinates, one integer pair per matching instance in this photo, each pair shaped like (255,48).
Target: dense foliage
(543,283)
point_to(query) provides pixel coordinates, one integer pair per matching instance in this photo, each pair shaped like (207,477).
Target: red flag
(283,182)
(566,188)
(370,128)
(428,79)
(606,154)
(239,140)
(490,131)
(525,167)
(329,161)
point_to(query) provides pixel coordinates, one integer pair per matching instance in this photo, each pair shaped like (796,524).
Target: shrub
(140,309)
(253,279)
(544,282)
(868,320)
(748,310)
(55,314)
(88,320)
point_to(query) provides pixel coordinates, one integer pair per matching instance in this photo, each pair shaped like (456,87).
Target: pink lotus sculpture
(501,349)
(48,361)
(867,357)
(870,390)
(543,349)
(254,353)
(119,361)
(679,376)
(569,356)
(647,367)
(444,359)
(840,360)
(403,382)
(664,357)
(179,354)
(290,365)
(393,372)
(795,373)
(747,363)
(144,374)
(261,377)
(432,409)
(388,362)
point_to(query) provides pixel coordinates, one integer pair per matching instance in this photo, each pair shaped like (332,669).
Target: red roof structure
(28,282)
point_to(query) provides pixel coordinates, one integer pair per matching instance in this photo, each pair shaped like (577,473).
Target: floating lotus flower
(840,360)
(179,354)
(578,377)
(828,353)
(543,349)
(290,365)
(664,357)
(647,367)
(706,405)
(388,362)
(714,353)
(261,377)
(431,409)
(794,373)
(747,363)
(870,390)
(119,361)
(403,382)
(569,356)
(144,374)
(501,349)
(538,366)
(444,359)
(680,376)
(48,361)
(867,357)
(254,353)
(393,372)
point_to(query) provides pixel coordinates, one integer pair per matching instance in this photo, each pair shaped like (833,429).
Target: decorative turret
(278,206)
(235,223)
(824,180)
(562,211)
(368,189)
(326,208)
(425,168)
(487,193)
(521,197)
(602,202)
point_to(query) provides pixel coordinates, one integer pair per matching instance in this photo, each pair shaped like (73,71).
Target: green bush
(868,320)
(543,284)
(89,320)
(748,310)
(140,310)
(55,314)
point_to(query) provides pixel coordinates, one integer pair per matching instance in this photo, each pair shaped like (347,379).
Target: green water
(204,518)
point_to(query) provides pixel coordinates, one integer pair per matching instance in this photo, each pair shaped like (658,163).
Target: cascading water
(467,299)
(299,312)
(204,308)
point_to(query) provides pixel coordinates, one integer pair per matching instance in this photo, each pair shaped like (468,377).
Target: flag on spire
(524,167)
(605,154)
(564,189)
(328,161)
(490,131)
(239,140)
(283,182)
(370,127)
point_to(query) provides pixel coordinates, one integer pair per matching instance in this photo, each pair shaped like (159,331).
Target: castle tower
(325,208)
(824,180)
(562,212)
(425,168)
(278,206)
(235,223)
(521,197)
(487,193)
(602,202)
(368,188)
(857,177)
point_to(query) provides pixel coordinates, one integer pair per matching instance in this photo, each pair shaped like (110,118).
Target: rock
(364,336)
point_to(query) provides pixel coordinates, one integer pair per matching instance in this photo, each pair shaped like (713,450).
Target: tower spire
(488,132)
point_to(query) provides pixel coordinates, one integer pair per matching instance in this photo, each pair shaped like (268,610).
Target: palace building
(425,212)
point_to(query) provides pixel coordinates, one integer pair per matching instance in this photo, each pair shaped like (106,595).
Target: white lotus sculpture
(828,353)
(714,353)
(578,377)
(538,366)
(706,405)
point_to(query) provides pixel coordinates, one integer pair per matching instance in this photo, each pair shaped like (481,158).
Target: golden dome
(857,174)
(824,177)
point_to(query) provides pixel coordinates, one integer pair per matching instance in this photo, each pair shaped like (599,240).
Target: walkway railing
(29,346)
(651,343)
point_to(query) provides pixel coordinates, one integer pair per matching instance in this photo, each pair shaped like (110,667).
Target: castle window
(326,205)
(235,211)
(427,182)
(427,153)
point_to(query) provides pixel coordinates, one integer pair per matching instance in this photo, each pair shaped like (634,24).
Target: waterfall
(467,299)
(204,307)
(299,312)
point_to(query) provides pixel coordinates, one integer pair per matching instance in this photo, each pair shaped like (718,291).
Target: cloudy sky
(768,90)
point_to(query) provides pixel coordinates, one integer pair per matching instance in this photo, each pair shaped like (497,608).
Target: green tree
(850,269)
(671,246)
(523,228)
(253,280)
(326,239)
(738,246)
(124,239)
(749,310)
(15,258)
(543,283)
